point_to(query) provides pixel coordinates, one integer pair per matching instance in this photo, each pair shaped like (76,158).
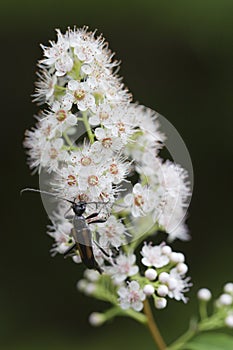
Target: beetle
(81,232)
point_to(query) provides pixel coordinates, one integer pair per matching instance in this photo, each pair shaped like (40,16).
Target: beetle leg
(102,250)
(98,221)
(69,250)
(92,216)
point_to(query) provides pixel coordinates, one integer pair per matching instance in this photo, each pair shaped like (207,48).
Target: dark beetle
(83,236)
(80,232)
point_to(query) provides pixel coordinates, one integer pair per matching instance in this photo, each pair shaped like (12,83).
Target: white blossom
(123,267)
(131,296)
(178,285)
(112,233)
(140,200)
(153,256)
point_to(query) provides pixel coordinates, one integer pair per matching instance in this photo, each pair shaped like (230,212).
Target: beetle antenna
(45,192)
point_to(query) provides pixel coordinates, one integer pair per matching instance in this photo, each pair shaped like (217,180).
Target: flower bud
(182,268)
(151,274)
(96,319)
(176,257)
(164,277)
(228,288)
(166,250)
(204,294)
(160,303)
(225,300)
(90,288)
(81,285)
(229,321)
(148,289)
(172,283)
(162,290)
(91,275)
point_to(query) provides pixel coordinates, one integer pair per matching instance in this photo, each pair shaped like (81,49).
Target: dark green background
(177,59)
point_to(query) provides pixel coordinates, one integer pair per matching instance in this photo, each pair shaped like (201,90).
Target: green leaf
(211,341)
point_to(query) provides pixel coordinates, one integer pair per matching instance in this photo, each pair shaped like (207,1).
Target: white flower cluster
(223,312)
(78,83)
(100,147)
(164,277)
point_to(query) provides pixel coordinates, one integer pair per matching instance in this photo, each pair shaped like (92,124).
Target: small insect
(81,232)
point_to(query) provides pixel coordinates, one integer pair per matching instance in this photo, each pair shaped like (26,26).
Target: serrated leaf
(211,341)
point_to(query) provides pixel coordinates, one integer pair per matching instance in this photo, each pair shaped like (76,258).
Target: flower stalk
(155,333)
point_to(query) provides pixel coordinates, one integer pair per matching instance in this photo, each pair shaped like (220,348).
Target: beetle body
(83,237)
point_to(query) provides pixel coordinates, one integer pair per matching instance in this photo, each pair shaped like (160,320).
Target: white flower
(58,55)
(123,267)
(112,233)
(140,200)
(153,256)
(45,87)
(102,114)
(51,154)
(63,118)
(178,286)
(131,296)
(42,151)
(61,234)
(106,143)
(80,94)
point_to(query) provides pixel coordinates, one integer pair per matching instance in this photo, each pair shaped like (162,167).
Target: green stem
(180,342)
(203,310)
(88,128)
(67,139)
(136,315)
(205,325)
(153,327)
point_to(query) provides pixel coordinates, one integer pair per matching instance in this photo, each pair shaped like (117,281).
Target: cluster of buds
(223,308)
(123,283)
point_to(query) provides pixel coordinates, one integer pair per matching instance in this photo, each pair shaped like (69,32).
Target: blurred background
(177,59)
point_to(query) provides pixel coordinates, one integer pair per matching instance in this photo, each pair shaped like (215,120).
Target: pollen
(71,180)
(85,161)
(103,115)
(79,94)
(53,153)
(92,180)
(107,142)
(83,197)
(138,200)
(113,169)
(121,127)
(61,115)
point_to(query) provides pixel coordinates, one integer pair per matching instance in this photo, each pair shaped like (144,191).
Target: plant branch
(88,128)
(153,327)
